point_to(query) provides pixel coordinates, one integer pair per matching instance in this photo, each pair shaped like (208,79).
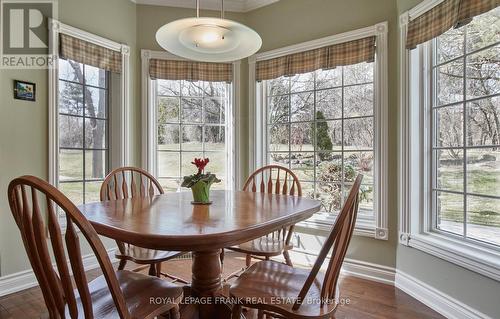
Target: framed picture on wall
(24,90)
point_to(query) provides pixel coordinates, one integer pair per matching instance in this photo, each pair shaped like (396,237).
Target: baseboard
(437,300)
(26,279)
(369,271)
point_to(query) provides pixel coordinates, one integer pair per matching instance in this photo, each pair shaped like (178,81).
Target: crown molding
(229,5)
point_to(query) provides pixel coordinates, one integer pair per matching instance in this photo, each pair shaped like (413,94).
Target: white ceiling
(229,5)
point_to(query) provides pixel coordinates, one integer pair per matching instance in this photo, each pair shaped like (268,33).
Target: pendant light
(208,39)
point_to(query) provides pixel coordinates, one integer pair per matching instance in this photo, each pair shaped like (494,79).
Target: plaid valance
(447,14)
(352,52)
(89,53)
(190,70)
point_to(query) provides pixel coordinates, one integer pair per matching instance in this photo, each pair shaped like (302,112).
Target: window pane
(95,164)
(483,171)
(483,219)
(70,165)
(169,164)
(214,111)
(278,109)
(191,110)
(302,164)
(328,135)
(95,76)
(70,131)
(358,163)
(95,134)
(450,169)
(483,126)
(307,189)
(96,102)
(278,137)
(70,71)
(328,78)
(92,190)
(279,86)
(191,138)
(168,110)
(483,73)
(449,83)
(302,107)
(168,137)
(358,73)
(217,163)
(302,82)
(215,139)
(329,185)
(301,137)
(365,199)
(358,100)
(281,159)
(484,30)
(170,185)
(215,89)
(169,87)
(186,167)
(70,98)
(329,104)
(450,44)
(449,126)
(192,88)
(74,191)
(450,212)
(358,133)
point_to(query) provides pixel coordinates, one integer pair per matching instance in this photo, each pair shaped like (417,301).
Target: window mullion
(464,129)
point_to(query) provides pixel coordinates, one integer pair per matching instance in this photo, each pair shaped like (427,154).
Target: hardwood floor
(363,299)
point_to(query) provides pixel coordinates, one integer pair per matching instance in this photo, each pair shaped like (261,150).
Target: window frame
(149,122)
(417,224)
(122,127)
(376,227)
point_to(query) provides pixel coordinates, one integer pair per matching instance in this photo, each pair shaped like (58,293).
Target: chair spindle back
(339,239)
(55,283)
(129,182)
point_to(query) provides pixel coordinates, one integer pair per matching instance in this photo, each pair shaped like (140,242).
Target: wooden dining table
(171,222)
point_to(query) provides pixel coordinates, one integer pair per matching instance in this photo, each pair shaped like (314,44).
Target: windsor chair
(131,182)
(280,291)
(272,179)
(121,294)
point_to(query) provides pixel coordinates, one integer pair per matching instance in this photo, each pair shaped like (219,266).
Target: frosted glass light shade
(208,39)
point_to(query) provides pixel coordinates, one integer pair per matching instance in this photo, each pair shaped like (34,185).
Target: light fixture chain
(222,10)
(197,8)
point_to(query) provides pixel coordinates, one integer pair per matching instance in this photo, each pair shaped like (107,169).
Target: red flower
(200,163)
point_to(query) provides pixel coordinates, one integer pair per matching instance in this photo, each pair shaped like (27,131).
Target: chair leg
(236,312)
(221,256)
(248,260)
(152,270)
(260,314)
(174,313)
(122,264)
(158,270)
(287,258)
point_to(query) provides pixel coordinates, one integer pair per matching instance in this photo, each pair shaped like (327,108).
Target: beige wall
(24,125)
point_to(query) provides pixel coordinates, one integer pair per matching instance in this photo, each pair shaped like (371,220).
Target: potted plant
(200,182)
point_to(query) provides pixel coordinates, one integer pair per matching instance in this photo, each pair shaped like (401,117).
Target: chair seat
(146,256)
(137,290)
(277,286)
(263,246)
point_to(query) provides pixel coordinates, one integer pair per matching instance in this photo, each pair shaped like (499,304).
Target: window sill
(473,257)
(322,224)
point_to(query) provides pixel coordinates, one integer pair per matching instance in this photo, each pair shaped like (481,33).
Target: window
(450,151)
(321,126)
(83,130)
(192,121)
(465,130)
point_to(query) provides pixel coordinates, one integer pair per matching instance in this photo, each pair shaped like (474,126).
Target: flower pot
(201,193)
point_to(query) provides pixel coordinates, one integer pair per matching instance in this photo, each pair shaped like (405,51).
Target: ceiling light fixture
(208,39)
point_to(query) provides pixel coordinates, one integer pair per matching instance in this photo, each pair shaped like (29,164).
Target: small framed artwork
(24,90)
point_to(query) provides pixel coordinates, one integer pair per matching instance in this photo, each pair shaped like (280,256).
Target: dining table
(172,222)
